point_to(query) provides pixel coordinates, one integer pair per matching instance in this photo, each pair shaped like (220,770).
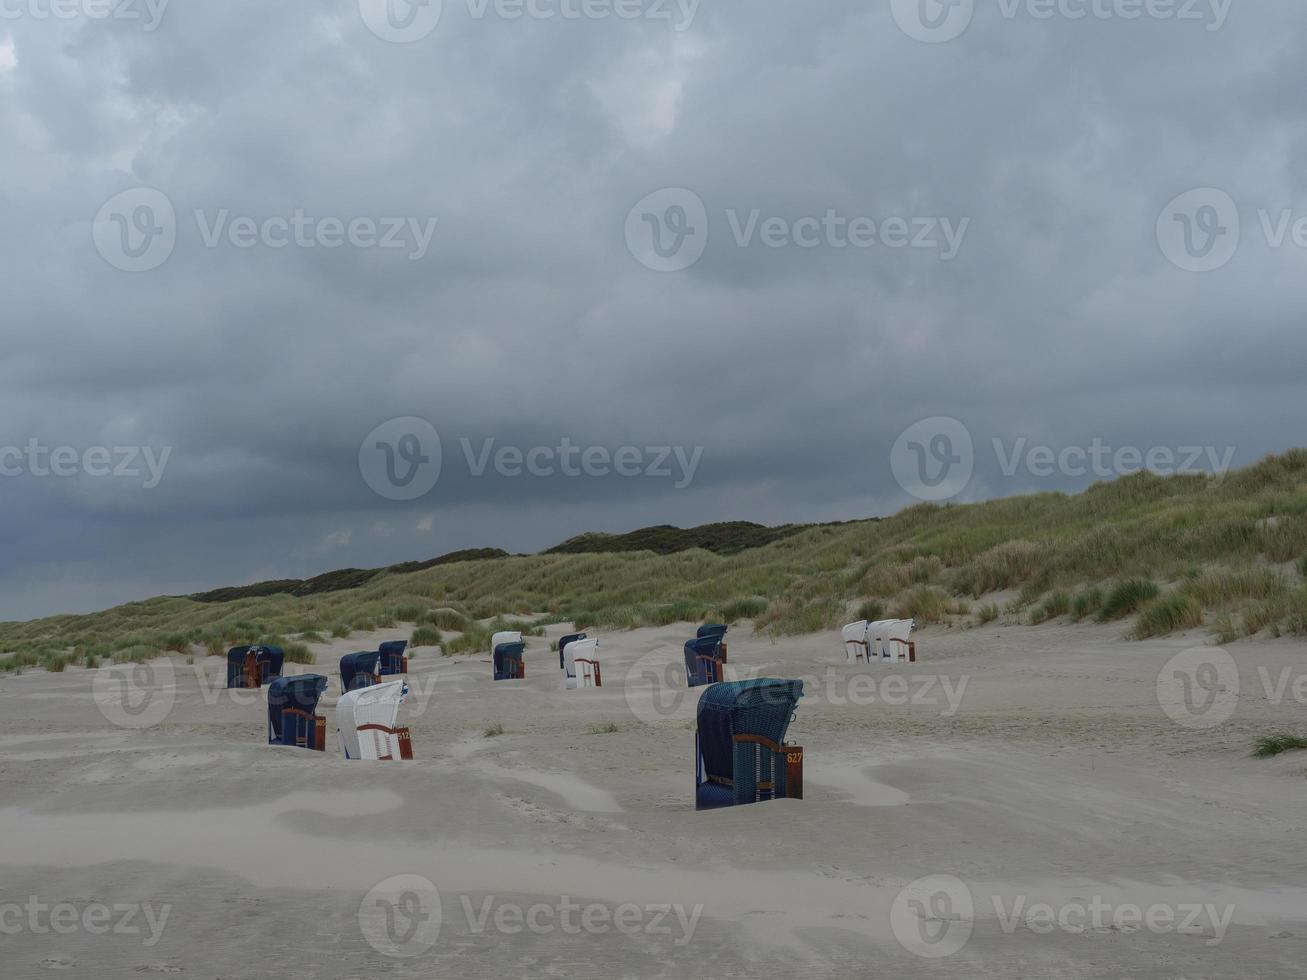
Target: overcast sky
(828,252)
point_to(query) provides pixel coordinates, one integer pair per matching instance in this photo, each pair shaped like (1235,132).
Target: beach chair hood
(359,669)
(562,645)
(376,705)
(508,661)
(392,657)
(302,691)
(763,707)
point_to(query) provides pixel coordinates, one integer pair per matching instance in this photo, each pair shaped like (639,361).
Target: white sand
(1035,765)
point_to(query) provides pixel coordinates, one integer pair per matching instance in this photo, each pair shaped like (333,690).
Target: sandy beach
(1000,808)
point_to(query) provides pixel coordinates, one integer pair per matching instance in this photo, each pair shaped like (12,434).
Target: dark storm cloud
(528,321)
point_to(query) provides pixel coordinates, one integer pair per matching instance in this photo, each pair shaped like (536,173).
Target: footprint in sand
(58,963)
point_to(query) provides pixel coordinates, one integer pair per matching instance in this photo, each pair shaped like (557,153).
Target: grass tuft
(1272,745)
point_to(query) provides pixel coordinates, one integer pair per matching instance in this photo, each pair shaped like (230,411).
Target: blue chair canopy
(236,666)
(300,691)
(505,655)
(700,671)
(392,657)
(711,629)
(359,669)
(271,659)
(562,645)
(762,707)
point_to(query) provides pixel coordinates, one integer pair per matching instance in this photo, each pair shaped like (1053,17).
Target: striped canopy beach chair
(292,712)
(393,660)
(360,670)
(365,723)
(740,751)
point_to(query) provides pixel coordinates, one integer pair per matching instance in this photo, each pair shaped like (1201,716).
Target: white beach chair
(876,633)
(365,722)
(581,665)
(897,643)
(855,642)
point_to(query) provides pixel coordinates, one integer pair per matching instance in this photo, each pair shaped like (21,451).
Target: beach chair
(739,746)
(508,662)
(365,723)
(581,665)
(897,643)
(270,661)
(292,712)
(705,658)
(393,660)
(876,633)
(243,668)
(562,645)
(504,636)
(360,670)
(717,630)
(856,645)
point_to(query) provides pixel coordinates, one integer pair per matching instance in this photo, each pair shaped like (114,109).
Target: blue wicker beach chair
(360,670)
(292,712)
(270,660)
(508,662)
(393,660)
(740,751)
(243,667)
(705,658)
(562,643)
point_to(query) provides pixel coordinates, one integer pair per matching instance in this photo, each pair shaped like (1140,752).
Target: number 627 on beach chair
(740,751)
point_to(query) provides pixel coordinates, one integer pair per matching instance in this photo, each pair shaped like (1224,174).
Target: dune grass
(1117,550)
(1273,745)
